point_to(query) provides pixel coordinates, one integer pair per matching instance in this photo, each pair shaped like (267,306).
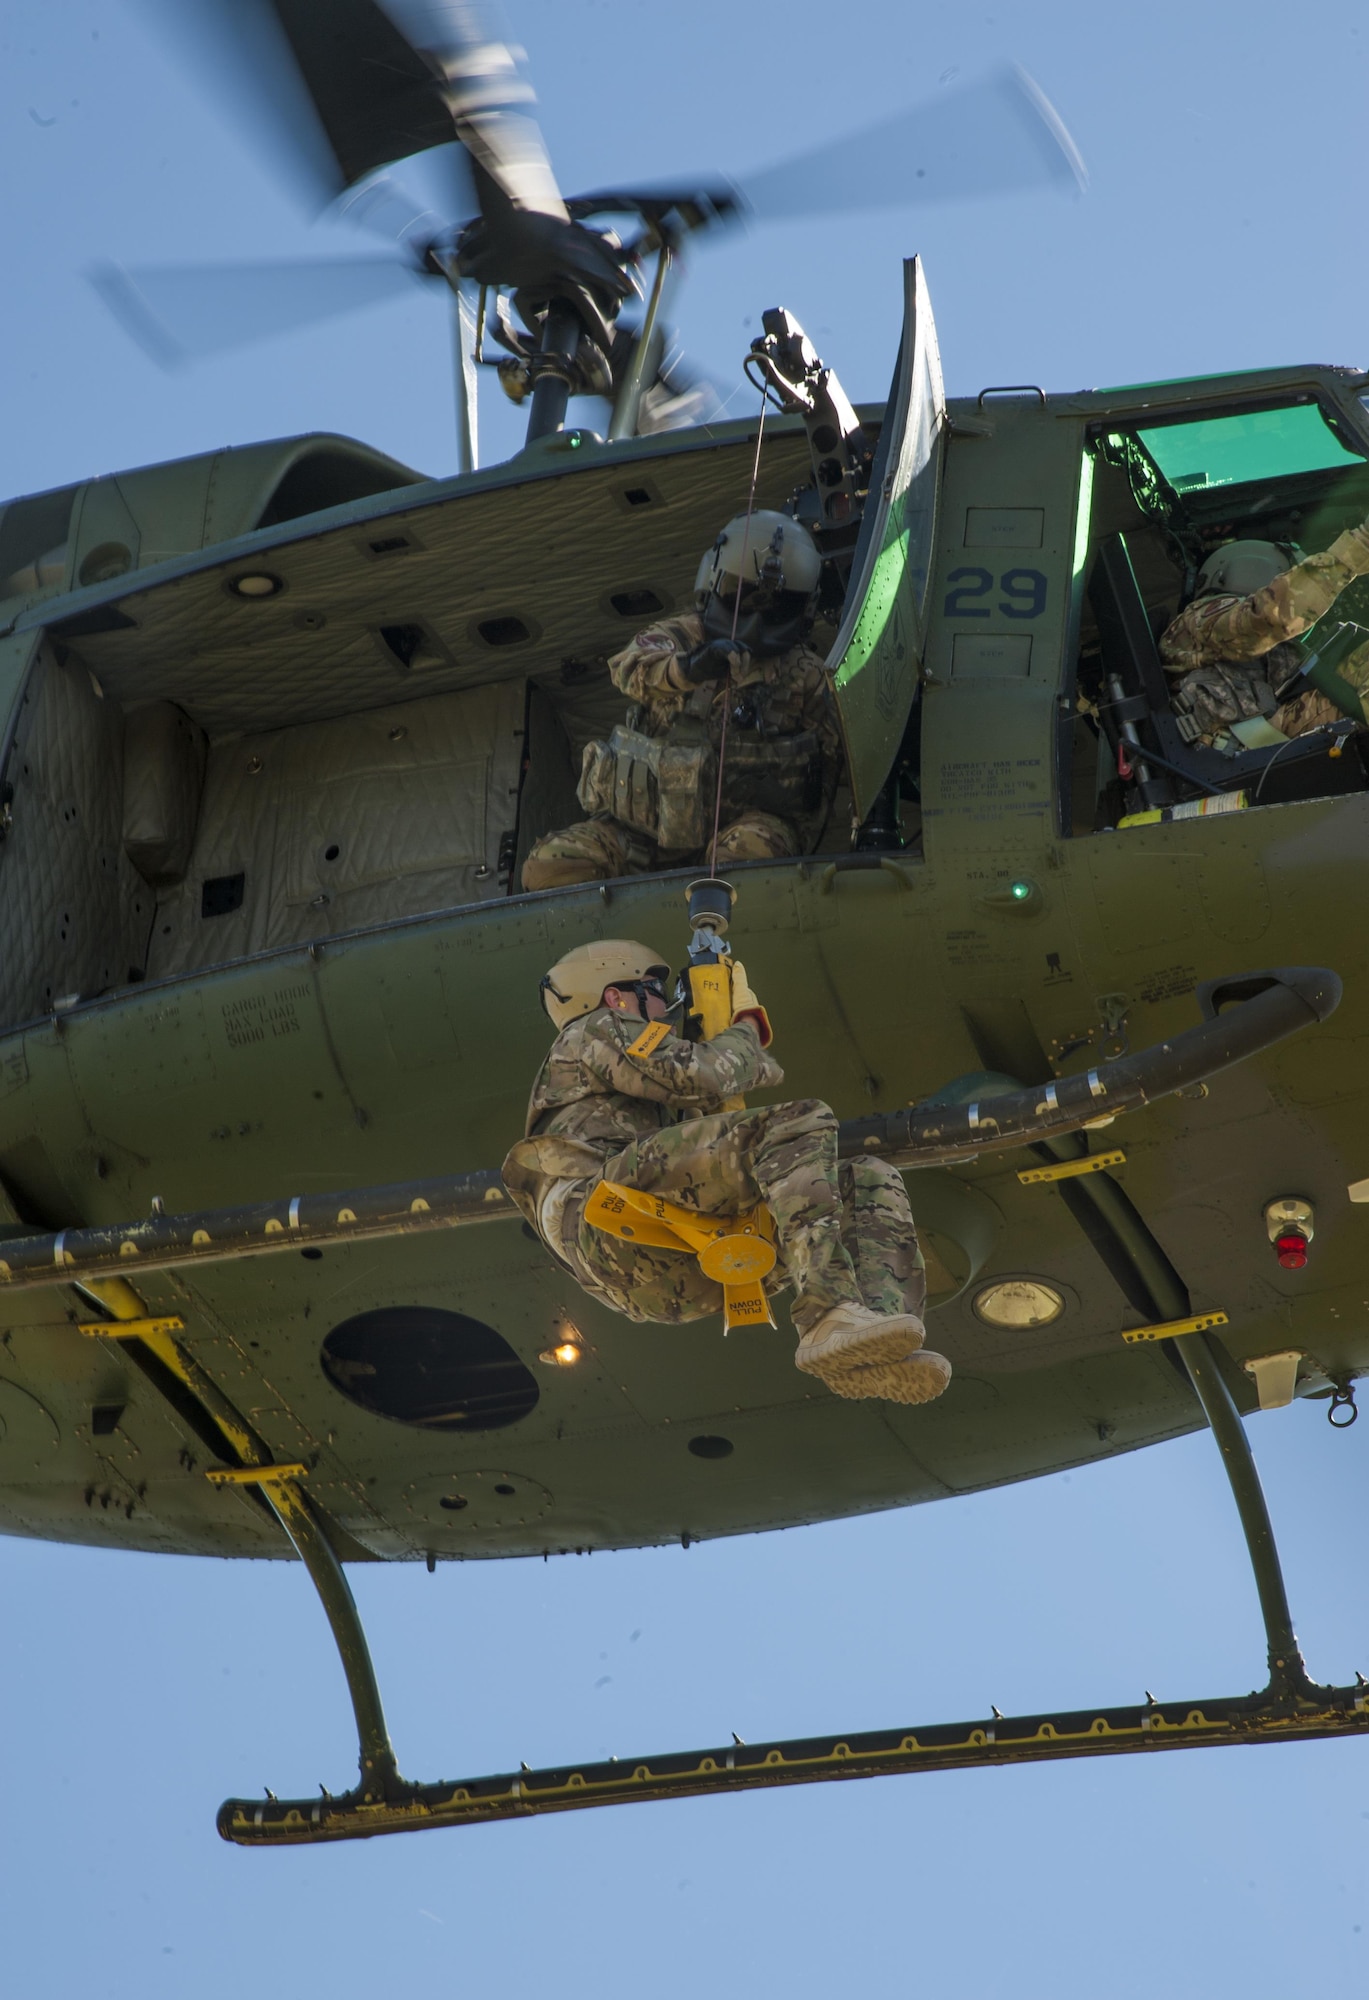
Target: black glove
(712,661)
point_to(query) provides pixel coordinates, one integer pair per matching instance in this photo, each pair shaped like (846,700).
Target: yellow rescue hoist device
(736,1251)
(706,982)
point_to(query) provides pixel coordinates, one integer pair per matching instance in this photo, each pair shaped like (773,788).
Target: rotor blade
(488,92)
(681,396)
(182,313)
(336,91)
(242,57)
(998,136)
(438,187)
(378,97)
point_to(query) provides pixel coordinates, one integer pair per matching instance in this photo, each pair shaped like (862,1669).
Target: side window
(1259,444)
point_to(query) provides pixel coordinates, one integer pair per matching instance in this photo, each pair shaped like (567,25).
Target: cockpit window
(1260,444)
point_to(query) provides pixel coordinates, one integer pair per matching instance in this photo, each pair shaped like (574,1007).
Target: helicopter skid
(948,1746)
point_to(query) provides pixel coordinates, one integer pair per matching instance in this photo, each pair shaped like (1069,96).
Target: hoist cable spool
(736,1251)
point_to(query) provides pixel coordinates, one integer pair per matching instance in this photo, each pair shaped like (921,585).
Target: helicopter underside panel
(653,1435)
(405,1374)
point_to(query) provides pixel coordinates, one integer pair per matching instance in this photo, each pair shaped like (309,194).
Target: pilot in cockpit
(1230,649)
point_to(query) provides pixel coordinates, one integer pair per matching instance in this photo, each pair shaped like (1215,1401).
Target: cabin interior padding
(129,834)
(336,825)
(199,737)
(76,914)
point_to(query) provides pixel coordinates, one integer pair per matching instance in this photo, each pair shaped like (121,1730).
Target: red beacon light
(1291,1249)
(1290,1222)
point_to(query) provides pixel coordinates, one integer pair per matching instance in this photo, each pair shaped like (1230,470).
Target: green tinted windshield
(1262,444)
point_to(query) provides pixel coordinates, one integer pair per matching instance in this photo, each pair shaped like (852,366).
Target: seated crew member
(1230,642)
(651,789)
(650,1117)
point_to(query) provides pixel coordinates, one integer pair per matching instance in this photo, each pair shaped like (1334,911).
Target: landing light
(565,1354)
(1018,1303)
(257,583)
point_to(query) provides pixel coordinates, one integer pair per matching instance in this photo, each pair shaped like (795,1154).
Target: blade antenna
(465,335)
(468,337)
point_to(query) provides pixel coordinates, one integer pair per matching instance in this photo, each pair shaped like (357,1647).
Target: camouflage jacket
(769,704)
(1243,628)
(593,1097)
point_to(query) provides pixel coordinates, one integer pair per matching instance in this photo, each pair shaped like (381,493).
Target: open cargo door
(878,652)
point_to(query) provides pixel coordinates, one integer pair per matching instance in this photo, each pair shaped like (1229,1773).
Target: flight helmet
(774,562)
(1237,569)
(575,985)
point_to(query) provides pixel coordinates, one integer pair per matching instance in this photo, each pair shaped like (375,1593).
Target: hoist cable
(732,640)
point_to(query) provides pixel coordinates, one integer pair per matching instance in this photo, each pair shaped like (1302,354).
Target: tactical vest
(1230,691)
(665,786)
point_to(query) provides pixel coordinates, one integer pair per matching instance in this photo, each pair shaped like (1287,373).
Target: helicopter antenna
(467,328)
(467,406)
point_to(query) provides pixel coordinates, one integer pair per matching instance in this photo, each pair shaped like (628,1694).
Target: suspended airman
(1231,643)
(619,1099)
(731,684)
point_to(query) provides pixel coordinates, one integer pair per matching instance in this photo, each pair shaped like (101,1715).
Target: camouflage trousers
(601,849)
(1233,691)
(844,1229)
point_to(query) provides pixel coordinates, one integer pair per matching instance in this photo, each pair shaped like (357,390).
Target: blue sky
(1221,230)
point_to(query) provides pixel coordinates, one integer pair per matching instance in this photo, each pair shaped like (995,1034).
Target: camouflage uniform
(781,762)
(1232,654)
(844,1231)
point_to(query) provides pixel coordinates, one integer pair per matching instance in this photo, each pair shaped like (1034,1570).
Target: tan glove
(746,1007)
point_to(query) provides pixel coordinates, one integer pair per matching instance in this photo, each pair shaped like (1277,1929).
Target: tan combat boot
(558,871)
(857,1353)
(919,1378)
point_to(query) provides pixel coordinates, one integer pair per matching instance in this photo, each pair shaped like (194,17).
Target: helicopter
(265,802)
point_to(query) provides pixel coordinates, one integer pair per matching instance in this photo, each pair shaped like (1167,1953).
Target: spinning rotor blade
(1001,135)
(416,210)
(347,93)
(998,136)
(488,92)
(180,313)
(681,396)
(241,54)
(341,88)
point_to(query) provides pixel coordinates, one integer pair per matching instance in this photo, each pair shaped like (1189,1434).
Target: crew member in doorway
(1230,644)
(739,670)
(620,1100)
